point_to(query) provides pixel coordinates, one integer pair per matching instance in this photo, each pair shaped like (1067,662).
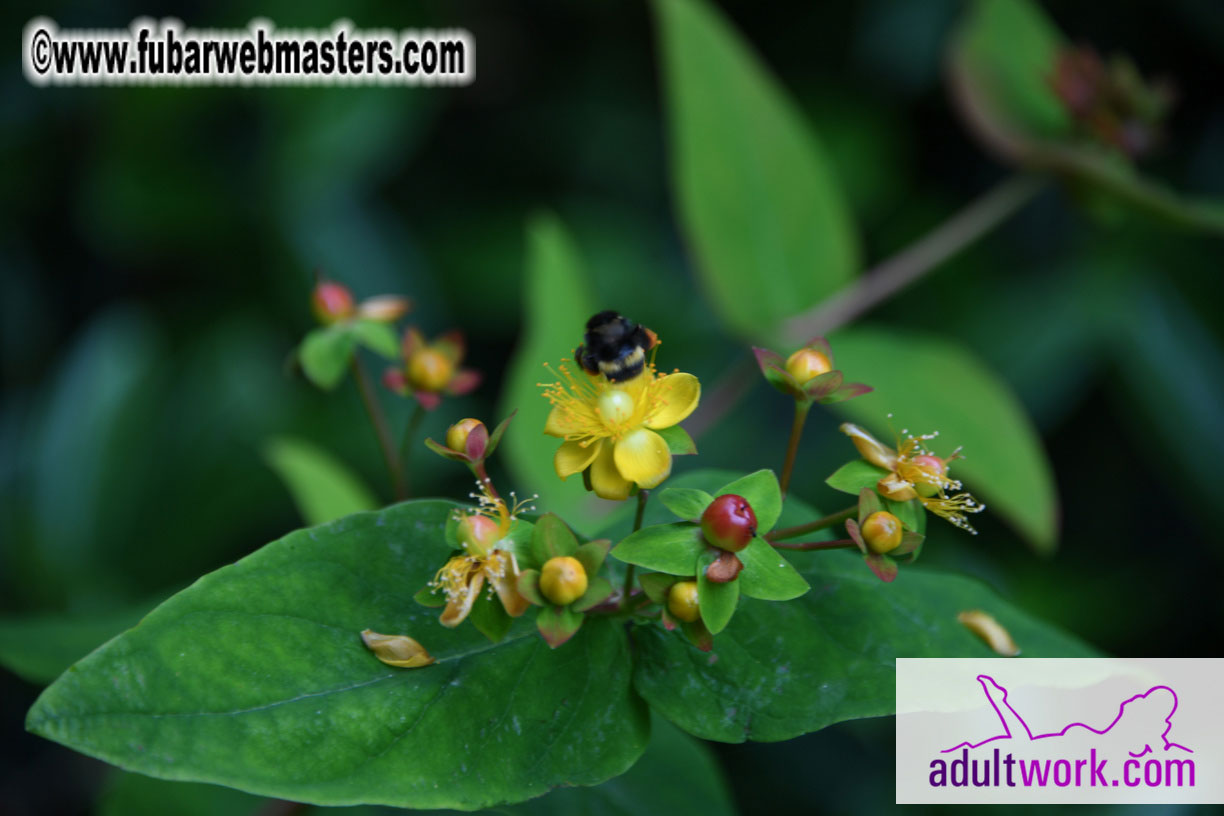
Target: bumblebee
(615,347)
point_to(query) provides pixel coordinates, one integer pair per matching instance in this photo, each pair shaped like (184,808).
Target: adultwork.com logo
(1065,731)
(1109,756)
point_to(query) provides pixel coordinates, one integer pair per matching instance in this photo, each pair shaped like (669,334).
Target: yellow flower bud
(563,580)
(882,532)
(682,601)
(457,434)
(806,364)
(429,370)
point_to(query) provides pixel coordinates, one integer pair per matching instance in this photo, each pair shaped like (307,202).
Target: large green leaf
(557,301)
(323,488)
(783,669)
(256,678)
(929,384)
(677,774)
(756,195)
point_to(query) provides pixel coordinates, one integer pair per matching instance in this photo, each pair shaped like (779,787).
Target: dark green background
(158,247)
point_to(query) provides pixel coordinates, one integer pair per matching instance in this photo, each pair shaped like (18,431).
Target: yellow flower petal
(606,480)
(458,607)
(571,419)
(676,395)
(503,575)
(894,487)
(573,457)
(642,457)
(869,447)
(396,650)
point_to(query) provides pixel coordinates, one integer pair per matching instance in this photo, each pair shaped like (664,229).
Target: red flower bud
(729,523)
(331,302)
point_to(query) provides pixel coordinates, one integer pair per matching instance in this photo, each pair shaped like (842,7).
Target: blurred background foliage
(160,245)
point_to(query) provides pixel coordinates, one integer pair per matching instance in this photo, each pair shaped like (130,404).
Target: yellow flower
(916,473)
(610,428)
(487,556)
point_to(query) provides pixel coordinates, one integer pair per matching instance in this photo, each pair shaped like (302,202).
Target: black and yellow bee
(615,347)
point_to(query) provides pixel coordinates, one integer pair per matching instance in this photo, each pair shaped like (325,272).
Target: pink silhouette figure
(1142,720)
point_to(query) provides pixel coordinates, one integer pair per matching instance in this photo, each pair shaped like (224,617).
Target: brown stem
(483,475)
(379,421)
(894,274)
(730,388)
(812,526)
(839,544)
(876,285)
(792,448)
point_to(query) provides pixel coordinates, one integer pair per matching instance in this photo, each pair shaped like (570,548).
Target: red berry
(729,523)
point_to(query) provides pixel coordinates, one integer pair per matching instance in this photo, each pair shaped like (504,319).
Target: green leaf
(756,195)
(496,436)
(557,300)
(676,775)
(854,476)
(490,618)
(558,624)
(40,648)
(323,488)
(767,575)
(717,601)
(656,585)
(685,502)
(552,539)
(931,384)
(830,655)
(670,548)
(599,590)
(255,677)
(378,337)
(325,354)
(592,554)
(911,513)
(679,443)
(762,492)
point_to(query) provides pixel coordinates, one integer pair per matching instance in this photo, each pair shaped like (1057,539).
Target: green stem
(792,449)
(812,526)
(381,430)
(410,434)
(643,495)
(839,544)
